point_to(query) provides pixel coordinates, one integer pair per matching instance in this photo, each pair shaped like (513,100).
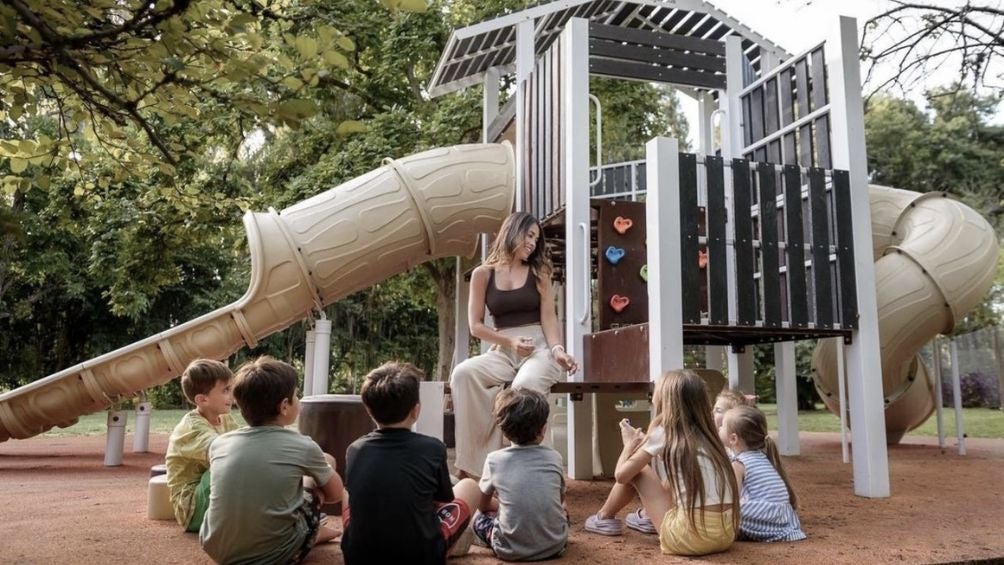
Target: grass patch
(161,421)
(977,422)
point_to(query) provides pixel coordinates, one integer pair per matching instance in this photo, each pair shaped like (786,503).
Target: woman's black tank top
(516,307)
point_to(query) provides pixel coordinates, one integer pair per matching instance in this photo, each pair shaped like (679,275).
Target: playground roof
(474,49)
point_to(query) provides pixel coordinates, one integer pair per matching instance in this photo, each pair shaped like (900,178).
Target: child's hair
(391,390)
(201,376)
(521,414)
(733,398)
(260,387)
(510,238)
(750,425)
(683,411)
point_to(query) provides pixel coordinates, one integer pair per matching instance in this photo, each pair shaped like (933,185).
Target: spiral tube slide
(936,262)
(425,206)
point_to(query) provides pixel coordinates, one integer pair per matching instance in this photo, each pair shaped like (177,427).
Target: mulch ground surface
(60,504)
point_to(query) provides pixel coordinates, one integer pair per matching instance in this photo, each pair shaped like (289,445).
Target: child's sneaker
(605,526)
(639,522)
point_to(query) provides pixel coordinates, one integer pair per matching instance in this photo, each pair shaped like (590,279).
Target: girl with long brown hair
(514,284)
(690,491)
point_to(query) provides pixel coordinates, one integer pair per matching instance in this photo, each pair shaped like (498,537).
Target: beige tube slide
(936,262)
(425,206)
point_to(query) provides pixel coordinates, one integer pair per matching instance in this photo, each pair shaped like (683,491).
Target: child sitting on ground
(530,523)
(401,508)
(259,510)
(691,493)
(206,384)
(767,502)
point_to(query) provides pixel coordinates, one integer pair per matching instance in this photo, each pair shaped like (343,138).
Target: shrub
(979,390)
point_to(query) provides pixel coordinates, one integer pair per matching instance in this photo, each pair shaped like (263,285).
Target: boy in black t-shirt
(399,507)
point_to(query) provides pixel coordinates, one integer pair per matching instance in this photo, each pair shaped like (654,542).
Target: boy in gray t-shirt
(531,522)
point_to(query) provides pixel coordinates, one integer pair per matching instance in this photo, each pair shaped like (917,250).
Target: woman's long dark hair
(511,236)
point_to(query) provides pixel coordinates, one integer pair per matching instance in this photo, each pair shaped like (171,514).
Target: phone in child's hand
(625,423)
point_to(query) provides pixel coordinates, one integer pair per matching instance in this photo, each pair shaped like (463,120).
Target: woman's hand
(521,345)
(566,361)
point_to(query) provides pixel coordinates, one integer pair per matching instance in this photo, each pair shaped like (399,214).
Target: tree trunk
(446,294)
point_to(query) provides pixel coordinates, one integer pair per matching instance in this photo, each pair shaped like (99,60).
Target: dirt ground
(59,504)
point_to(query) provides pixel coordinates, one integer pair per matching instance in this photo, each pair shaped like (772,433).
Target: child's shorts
(200,503)
(484,525)
(453,520)
(310,511)
(714,534)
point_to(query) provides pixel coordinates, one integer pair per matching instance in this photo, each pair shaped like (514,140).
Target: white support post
(662,213)
(322,354)
(115,441)
(842,399)
(309,340)
(741,368)
(939,401)
(525,52)
(578,283)
(705,131)
(871,460)
(489,320)
(489,102)
(740,363)
(141,435)
(431,396)
(489,111)
(999,360)
(960,429)
(714,357)
(787,398)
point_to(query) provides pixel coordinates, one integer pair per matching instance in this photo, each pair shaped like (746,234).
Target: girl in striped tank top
(767,503)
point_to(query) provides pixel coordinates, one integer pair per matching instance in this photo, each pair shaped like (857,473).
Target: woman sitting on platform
(515,284)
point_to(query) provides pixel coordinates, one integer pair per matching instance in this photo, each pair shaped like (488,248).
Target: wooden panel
(745,284)
(655,55)
(747,130)
(717,271)
(819,94)
(657,38)
(820,249)
(641,71)
(797,299)
(688,239)
(845,250)
(787,97)
(623,278)
(789,151)
(616,355)
(771,122)
(756,115)
(802,109)
(768,246)
(821,129)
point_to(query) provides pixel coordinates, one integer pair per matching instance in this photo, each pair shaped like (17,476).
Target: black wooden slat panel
(688,239)
(745,284)
(774,151)
(656,74)
(822,141)
(770,107)
(657,38)
(819,95)
(845,250)
(676,18)
(787,97)
(756,114)
(799,314)
(820,249)
(648,54)
(768,246)
(717,272)
(747,130)
(789,154)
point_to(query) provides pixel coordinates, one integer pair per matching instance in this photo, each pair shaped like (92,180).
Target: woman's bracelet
(558,346)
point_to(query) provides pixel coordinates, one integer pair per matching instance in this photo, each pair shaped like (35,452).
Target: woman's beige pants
(475,382)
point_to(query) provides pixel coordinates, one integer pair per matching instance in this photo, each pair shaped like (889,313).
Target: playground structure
(763,239)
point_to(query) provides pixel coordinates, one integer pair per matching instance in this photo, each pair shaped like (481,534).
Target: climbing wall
(622,271)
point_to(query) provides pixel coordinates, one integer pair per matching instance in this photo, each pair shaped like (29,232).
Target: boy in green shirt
(206,384)
(259,510)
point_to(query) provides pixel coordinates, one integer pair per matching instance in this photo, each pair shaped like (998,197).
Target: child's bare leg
(654,497)
(468,491)
(620,496)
